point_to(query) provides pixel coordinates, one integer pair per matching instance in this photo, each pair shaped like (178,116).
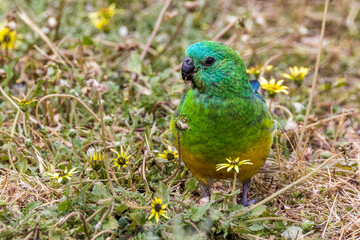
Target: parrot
(221,116)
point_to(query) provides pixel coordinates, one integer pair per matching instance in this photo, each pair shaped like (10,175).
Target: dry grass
(141,73)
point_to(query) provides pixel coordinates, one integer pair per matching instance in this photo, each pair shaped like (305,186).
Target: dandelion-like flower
(24,103)
(273,87)
(257,69)
(7,38)
(121,160)
(62,174)
(169,155)
(297,74)
(101,18)
(158,209)
(96,159)
(233,164)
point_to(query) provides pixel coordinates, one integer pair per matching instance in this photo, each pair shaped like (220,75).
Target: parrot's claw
(246,203)
(204,201)
(205,194)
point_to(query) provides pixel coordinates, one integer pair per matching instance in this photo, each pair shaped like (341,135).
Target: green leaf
(163,192)
(67,191)
(292,232)
(110,224)
(236,192)
(191,185)
(307,225)
(100,191)
(9,69)
(340,82)
(224,227)
(64,204)
(31,206)
(135,63)
(6,233)
(199,212)
(215,214)
(256,227)
(77,143)
(120,209)
(258,211)
(22,164)
(82,195)
(2,117)
(39,87)
(138,219)
(279,225)
(87,41)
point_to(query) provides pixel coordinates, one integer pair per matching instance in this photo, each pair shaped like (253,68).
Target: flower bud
(72,133)
(28,143)
(12,25)
(52,22)
(44,131)
(191,6)
(3,74)
(108,120)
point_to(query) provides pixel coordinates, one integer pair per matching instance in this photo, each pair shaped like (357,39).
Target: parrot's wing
(255,85)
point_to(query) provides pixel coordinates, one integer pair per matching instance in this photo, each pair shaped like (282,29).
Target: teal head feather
(218,70)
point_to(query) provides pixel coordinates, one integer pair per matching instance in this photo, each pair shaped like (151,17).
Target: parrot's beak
(187,70)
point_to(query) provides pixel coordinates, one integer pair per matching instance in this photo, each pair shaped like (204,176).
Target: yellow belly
(204,170)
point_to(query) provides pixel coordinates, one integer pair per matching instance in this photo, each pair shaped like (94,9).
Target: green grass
(60,129)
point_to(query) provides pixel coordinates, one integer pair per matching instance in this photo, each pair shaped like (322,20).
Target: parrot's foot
(205,194)
(243,200)
(204,201)
(246,203)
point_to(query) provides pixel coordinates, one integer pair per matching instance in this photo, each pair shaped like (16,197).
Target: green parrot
(221,116)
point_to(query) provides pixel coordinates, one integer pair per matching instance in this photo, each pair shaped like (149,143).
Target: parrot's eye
(209,61)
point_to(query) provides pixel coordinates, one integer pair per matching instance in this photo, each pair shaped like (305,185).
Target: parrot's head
(215,69)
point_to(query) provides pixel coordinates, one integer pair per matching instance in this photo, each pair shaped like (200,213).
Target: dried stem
(233,186)
(225,29)
(103,218)
(176,33)
(103,135)
(156,28)
(313,87)
(143,170)
(8,98)
(103,232)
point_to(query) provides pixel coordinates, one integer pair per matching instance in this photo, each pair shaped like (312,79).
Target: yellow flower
(158,209)
(272,86)
(121,160)
(169,155)
(96,159)
(24,103)
(62,174)
(257,69)
(101,18)
(7,38)
(232,164)
(297,74)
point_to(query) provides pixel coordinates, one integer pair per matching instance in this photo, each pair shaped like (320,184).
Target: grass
(308,188)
